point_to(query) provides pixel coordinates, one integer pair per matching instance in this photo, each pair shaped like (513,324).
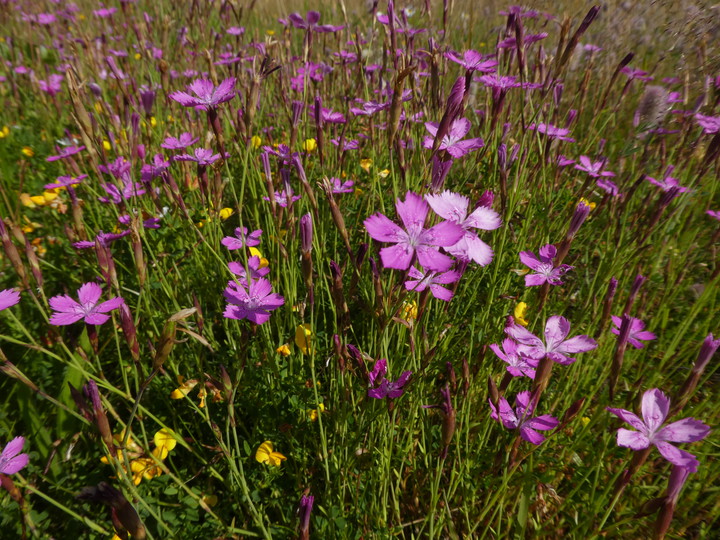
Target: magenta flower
(202,156)
(473,61)
(710,124)
(552,132)
(713,214)
(285,197)
(242,239)
(385,387)
(9,298)
(310,23)
(655,408)
(369,108)
(182,142)
(53,85)
(414,239)
(254,302)
(422,281)
(69,311)
(520,418)
(337,186)
(66,181)
(608,186)
(116,196)
(66,152)
(545,270)
(556,347)
(454,208)
(668,182)
(254,268)
(637,331)
(207,95)
(635,73)
(593,168)
(519,365)
(452,142)
(11,460)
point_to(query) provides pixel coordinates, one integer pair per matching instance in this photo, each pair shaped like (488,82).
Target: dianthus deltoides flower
(655,407)
(207,96)
(520,418)
(545,270)
(386,388)
(254,302)
(414,239)
(555,347)
(69,311)
(11,460)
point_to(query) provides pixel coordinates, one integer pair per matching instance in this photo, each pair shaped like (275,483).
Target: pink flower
(202,156)
(208,96)
(519,365)
(69,311)
(185,140)
(520,418)
(414,239)
(242,239)
(710,124)
(473,61)
(552,132)
(8,298)
(655,408)
(452,142)
(593,168)
(253,302)
(386,388)
(556,347)
(637,331)
(11,460)
(545,270)
(422,281)
(454,208)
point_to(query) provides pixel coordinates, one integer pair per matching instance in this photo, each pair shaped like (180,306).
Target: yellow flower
(98,107)
(164,442)
(30,226)
(27,151)
(365,164)
(202,394)
(170,118)
(38,247)
(283,349)
(138,56)
(184,389)
(254,252)
(226,213)
(302,338)
(519,313)
(106,145)
(255,141)
(210,500)
(310,145)
(270,32)
(265,454)
(384,173)
(585,420)
(313,413)
(592,205)
(4,132)
(409,310)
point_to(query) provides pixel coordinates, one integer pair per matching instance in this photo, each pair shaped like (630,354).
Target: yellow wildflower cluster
(186,386)
(266,454)
(142,465)
(49,197)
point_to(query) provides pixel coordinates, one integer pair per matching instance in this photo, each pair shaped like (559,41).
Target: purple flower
(520,418)
(454,208)
(338,186)
(473,61)
(556,347)
(11,460)
(208,96)
(116,196)
(594,169)
(519,365)
(710,124)
(713,214)
(242,239)
(369,108)
(66,181)
(253,302)
(546,272)
(202,156)
(608,186)
(414,239)
(8,298)
(310,23)
(69,311)
(655,408)
(637,331)
(182,142)
(668,182)
(552,132)
(422,281)
(452,142)
(634,73)
(53,85)
(254,268)
(66,153)
(284,197)
(386,388)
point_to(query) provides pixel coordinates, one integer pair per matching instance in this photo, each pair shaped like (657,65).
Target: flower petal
(89,293)
(381,228)
(629,417)
(556,330)
(632,439)
(398,257)
(655,407)
(678,457)
(685,430)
